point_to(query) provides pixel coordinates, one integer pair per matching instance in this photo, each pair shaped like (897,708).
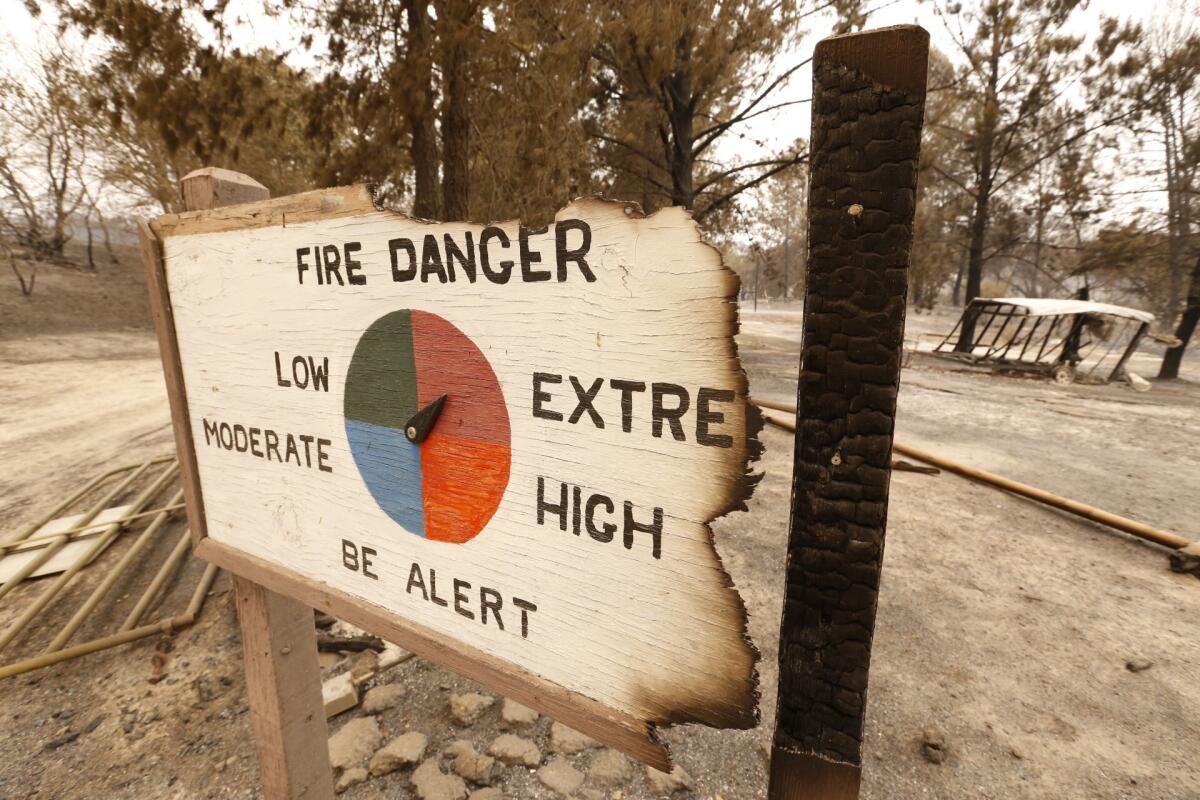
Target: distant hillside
(74,299)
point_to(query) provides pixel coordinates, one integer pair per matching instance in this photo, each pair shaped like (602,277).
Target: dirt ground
(1002,624)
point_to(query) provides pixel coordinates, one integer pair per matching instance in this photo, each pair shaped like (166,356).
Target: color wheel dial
(449,485)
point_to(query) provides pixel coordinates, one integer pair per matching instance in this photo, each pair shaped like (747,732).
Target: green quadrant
(383,373)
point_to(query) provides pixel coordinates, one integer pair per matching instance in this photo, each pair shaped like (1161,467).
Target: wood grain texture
(281,211)
(634,630)
(893,58)
(164,328)
(283,686)
(805,776)
(868,103)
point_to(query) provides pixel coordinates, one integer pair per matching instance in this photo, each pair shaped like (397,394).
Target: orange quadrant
(463,482)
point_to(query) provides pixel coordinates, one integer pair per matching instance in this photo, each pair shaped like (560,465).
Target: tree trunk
(1187,326)
(1039,235)
(682,115)
(90,256)
(424,150)
(112,256)
(1175,238)
(983,180)
(456,123)
(979,220)
(787,257)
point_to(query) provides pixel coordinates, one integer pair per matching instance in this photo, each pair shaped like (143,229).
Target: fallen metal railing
(99,535)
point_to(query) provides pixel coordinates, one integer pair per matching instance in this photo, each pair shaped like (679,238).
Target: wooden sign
(500,446)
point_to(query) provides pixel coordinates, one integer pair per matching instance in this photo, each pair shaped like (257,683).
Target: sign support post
(279,641)
(868,105)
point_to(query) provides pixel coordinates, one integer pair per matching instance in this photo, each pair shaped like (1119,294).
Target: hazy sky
(774,130)
(783,127)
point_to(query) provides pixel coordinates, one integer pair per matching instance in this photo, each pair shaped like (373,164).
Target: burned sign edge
(747,710)
(740,707)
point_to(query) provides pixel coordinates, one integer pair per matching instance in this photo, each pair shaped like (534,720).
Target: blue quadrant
(391,467)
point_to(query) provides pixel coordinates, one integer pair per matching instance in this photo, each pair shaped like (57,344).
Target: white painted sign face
(514,437)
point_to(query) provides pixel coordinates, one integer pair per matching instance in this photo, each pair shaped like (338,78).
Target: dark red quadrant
(449,363)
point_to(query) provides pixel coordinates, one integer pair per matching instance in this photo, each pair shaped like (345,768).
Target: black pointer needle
(421,424)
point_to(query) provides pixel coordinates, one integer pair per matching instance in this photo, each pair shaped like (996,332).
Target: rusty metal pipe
(52,547)
(73,533)
(58,541)
(163,626)
(160,577)
(30,529)
(1124,524)
(202,589)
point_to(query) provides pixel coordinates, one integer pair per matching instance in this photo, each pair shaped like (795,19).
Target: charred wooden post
(868,104)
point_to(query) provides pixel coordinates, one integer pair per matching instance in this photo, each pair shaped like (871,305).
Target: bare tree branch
(750,184)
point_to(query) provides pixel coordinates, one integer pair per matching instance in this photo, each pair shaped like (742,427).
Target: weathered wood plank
(868,104)
(630,735)
(164,328)
(261,213)
(283,687)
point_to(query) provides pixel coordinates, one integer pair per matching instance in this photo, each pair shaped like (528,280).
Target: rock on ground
(513,714)
(382,698)
(474,766)
(431,783)
(365,665)
(569,740)
(668,783)
(400,752)
(933,745)
(608,768)
(515,750)
(468,707)
(486,794)
(392,655)
(560,776)
(354,742)
(327,660)
(351,777)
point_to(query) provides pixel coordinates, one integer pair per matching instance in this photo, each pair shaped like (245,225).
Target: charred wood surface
(868,103)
